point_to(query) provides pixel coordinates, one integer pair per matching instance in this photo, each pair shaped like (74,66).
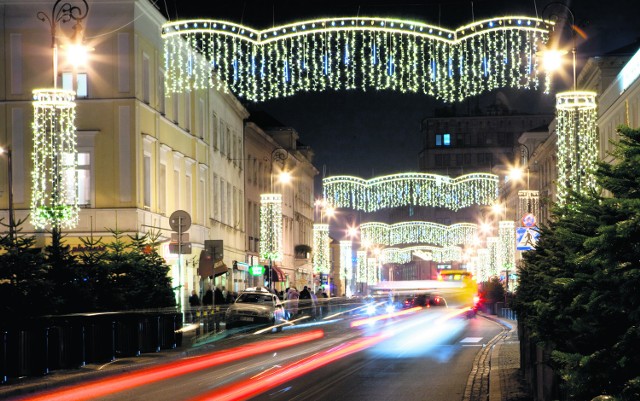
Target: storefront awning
(207,267)
(276,274)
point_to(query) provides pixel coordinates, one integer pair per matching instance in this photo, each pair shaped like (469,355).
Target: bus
(456,288)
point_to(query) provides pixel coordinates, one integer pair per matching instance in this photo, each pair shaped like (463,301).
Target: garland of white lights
(507,245)
(361,267)
(528,202)
(418,232)
(353,53)
(494,256)
(437,254)
(321,251)
(411,189)
(482,265)
(54,200)
(372,271)
(271,227)
(346,260)
(577,142)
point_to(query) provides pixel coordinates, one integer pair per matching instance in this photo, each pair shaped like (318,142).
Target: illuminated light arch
(411,189)
(354,53)
(418,232)
(424,252)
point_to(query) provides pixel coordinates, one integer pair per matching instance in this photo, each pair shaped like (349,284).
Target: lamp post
(576,122)
(12,222)
(271,219)
(54,186)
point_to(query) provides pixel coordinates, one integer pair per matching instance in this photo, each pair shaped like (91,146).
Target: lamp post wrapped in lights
(54,185)
(576,125)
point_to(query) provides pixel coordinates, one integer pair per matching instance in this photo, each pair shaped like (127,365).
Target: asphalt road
(424,355)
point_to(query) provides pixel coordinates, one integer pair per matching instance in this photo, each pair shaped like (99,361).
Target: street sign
(185,249)
(256,270)
(528,220)
(526,238)
(180,221)
(184,238)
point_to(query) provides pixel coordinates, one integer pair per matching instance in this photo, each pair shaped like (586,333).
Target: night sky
(375,133)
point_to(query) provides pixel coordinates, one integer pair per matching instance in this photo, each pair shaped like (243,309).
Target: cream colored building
(272,149)
(141,156)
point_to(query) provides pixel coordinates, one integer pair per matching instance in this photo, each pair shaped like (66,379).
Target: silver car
(255,306)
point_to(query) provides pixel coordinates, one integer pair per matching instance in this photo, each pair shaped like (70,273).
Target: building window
(79,86)
(443,139)
(81,176)
(146,79)
(147,181)
(438,160)
(162,189)
(459,159)
(161,92)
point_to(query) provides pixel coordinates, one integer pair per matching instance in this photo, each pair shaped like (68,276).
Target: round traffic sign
(180,221)
(529,220)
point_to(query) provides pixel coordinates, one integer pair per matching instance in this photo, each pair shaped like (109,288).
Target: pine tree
(579,290)
(24,287)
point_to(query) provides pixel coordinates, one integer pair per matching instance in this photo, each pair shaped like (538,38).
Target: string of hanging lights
(354,53)
(411,189)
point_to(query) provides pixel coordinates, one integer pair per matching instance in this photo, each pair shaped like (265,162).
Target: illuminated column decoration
(528,202)
(418,232)
(361,266)
(507,245)
(372,271)
(271,227)
(577,142)
(354,53)
(54,199)
(321,252)
(494,256)
(482,265)
(346,260)
(411,189)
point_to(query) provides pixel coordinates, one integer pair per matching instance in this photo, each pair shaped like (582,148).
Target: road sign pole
(180,279)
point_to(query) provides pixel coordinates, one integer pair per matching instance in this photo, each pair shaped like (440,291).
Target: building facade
(141,155)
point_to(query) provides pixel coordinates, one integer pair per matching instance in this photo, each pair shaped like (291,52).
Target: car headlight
(371,309)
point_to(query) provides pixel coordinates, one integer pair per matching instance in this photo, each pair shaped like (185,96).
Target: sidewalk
(505,378)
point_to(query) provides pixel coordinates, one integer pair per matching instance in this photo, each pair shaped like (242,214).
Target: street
(423,354)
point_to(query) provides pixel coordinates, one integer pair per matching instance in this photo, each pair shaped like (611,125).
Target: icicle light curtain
(354,53)
(411,189)
(418,232)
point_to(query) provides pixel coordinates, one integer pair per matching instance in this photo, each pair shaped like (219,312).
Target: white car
(255,306)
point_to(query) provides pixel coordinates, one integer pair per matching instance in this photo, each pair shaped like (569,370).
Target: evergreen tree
(579,288)
(24,287)
(65,274)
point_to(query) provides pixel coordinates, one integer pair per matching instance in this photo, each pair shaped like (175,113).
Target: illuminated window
(79,86)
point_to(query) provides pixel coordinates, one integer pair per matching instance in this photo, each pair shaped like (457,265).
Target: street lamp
(12,222)
(577,141)
(54,185)
(552,58)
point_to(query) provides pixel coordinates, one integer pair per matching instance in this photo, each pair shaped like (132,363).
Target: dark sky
(368,134)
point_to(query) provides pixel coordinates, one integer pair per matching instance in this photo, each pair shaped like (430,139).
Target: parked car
(255,305)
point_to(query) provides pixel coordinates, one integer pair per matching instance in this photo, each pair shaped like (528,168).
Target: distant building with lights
(263,136)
